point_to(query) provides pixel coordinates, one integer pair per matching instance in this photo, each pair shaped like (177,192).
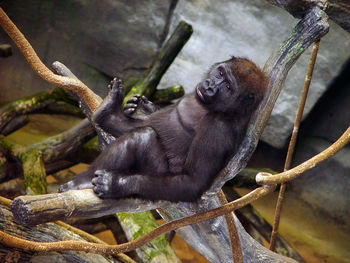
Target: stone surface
(330,117)
(95,39)
(253,30)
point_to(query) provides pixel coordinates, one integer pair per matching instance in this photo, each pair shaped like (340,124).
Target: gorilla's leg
(80,181)
(110,116)
(137,152)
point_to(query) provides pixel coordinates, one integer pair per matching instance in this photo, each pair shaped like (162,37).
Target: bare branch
(233,233)
(293,141)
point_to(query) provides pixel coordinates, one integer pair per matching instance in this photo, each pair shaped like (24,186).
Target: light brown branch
(232,231)
(293,140)
(91,99)
(13,241)
(266,178)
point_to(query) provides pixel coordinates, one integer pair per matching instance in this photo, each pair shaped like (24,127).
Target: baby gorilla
(176,152)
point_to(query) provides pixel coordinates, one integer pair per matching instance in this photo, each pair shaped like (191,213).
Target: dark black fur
(174,153)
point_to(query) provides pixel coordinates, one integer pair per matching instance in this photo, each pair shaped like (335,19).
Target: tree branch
(233,233)
(293,141)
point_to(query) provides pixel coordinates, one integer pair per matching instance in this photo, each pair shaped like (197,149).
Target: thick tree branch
(168,94)
(59,146)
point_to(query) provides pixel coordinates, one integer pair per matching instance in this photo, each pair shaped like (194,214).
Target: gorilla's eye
(251,96)
(221,73)
(228,86)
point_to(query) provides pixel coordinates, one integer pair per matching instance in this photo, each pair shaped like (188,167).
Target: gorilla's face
(232,86)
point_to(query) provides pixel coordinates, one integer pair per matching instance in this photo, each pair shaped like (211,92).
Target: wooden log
(44,233)
(168,94)
(61,108)
(59,146)
(33,210)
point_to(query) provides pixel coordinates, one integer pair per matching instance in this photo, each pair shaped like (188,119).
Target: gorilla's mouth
(200,94)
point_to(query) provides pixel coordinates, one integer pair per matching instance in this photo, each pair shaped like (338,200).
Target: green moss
(168,94)
(33,171)
(129,83)
(140,224)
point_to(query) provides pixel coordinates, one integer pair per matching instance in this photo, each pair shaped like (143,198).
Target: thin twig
(23,45)
(232,231)
(292,142)
(13,241)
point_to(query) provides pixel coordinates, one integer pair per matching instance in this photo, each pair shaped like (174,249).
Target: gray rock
(92,38)
(253,30)
(330,117)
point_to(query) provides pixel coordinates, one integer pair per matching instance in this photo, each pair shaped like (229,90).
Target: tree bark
(48,232)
